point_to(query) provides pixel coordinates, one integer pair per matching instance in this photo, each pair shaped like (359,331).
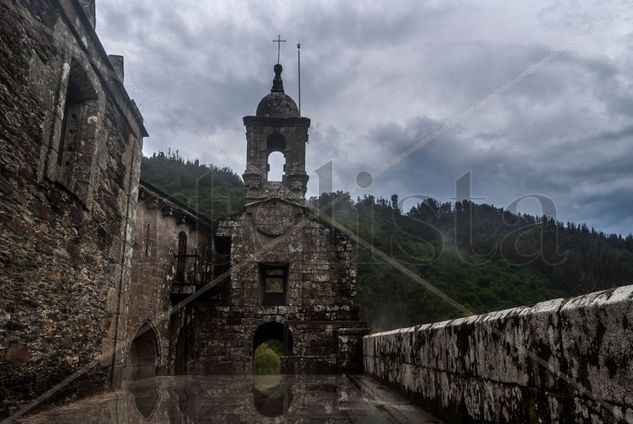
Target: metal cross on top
(278,41)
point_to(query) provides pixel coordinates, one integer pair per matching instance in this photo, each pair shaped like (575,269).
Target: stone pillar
(350,348)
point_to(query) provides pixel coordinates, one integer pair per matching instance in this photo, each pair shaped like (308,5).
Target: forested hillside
(215,192)
(480,256)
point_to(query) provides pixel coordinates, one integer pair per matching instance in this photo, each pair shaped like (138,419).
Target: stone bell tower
(287,277)
(276,127)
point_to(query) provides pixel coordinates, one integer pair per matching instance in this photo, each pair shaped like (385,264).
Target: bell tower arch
(276,127)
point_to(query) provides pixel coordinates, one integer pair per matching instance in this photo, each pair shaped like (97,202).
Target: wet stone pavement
(242,399)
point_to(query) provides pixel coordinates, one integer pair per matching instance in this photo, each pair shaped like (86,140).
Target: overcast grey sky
(378,76)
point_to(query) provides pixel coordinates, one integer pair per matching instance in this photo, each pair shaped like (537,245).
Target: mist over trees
(482,257)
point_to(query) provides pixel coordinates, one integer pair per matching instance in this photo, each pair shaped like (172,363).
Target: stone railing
(564,360)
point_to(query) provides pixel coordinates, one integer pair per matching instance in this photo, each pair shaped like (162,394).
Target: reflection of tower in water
(145,397)
(272,395)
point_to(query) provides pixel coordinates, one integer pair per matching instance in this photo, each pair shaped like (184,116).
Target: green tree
(267,360)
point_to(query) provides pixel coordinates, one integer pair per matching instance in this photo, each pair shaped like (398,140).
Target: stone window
(274,281)
(147,232)
(72,157)
(142,359)
(181,257)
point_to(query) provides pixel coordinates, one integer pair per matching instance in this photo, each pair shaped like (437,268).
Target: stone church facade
(205,295)
(289,276)
(104,278)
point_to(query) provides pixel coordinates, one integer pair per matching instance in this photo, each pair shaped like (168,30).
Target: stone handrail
(557,361)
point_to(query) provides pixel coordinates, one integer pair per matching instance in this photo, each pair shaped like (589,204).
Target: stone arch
(276,142)
(276,166)
(276,156)
(144,354)
(270,332)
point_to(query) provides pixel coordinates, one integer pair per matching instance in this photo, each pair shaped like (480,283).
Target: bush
(267,361)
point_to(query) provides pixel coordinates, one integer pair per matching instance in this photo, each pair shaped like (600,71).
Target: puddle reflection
(272,395)
(145,399)
(227,399)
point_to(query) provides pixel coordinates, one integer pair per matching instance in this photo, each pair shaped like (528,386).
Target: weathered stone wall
(154,289)
(559,361)
(321,295)
(64,224)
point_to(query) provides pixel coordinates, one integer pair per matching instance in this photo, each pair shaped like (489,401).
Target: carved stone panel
(274,218)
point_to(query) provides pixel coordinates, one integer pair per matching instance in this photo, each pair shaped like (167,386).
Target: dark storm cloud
(380,76)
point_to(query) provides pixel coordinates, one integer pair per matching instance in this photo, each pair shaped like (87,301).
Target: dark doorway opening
(142,359)
(272,343)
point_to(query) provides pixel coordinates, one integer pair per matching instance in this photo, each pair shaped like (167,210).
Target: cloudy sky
(381,77)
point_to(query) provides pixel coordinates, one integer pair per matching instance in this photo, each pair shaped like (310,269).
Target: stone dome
(277,104)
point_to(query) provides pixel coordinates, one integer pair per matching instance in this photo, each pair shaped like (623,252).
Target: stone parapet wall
(564,360)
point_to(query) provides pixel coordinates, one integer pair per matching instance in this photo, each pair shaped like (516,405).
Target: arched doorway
(272,342)
(142,359)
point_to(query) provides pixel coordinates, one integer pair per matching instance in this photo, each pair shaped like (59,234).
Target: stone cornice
(276,122)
